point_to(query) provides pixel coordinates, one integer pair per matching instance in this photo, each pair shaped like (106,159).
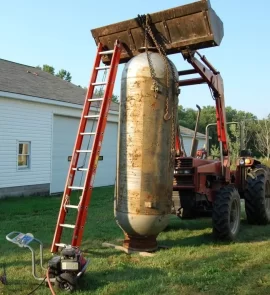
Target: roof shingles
(190,132)
(31,81)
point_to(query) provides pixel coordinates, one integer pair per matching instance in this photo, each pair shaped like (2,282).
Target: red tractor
(205,185)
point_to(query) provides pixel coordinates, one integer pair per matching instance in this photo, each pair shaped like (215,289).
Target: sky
(57,32)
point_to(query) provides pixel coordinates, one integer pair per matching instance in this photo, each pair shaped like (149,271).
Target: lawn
(194,264)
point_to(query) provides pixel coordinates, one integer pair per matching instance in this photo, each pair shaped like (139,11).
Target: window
(23,155)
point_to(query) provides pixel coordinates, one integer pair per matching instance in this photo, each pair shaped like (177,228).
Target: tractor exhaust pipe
(194,144)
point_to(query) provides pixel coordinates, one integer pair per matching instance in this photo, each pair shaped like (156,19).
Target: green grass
(194,264)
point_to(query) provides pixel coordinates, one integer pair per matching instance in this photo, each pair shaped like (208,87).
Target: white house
(39,117)
(187,135)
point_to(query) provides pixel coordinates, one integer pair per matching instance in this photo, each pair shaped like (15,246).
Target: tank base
(140,243)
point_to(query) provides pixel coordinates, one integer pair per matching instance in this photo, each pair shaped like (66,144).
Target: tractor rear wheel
(184,213)
(257,196)
(226,214)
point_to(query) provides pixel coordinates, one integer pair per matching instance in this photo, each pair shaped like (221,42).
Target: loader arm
(210,76)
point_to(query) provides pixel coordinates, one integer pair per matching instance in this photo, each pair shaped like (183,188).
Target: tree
(48,69)
(63,74)
(215,152)
(100,92)
(68,77)
(115,98)
(208,116)
(247,121)
(234,143)
(187,118)
(262,139)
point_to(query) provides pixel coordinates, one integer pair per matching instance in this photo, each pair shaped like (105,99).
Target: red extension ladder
(86,189)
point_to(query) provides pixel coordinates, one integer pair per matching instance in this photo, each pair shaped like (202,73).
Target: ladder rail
(75,156)
(94,156)
(97,144)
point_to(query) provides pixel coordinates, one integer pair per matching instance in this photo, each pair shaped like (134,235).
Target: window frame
(24,167)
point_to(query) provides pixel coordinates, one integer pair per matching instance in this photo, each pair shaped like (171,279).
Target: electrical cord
(49,283)
(33,291)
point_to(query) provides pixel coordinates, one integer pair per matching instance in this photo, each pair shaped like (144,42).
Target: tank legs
(140,243)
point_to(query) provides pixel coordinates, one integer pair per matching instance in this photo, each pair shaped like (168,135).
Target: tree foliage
(262,138)
(63,74)
(256,133)
(100,92)
(234,142)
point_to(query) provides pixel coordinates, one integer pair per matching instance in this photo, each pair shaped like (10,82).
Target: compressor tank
(146,149)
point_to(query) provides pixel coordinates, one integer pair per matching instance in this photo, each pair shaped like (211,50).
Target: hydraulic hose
(49,282)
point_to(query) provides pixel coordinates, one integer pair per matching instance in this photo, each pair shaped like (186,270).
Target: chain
(174,119)
(168,65)
(152,70)
(163,55)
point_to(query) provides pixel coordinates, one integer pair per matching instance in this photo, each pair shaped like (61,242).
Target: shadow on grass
(100,252)
(198,240)
(248,233)
(220,273)
(92,281)
(177,224)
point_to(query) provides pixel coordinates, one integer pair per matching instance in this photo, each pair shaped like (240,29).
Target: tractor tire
(182,213)
(226,214)
(185,213)
(257,196)
(66,281)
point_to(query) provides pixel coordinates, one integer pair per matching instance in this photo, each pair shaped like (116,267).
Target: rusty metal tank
(146,149)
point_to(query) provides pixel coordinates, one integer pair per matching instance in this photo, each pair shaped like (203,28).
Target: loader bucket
(194,26)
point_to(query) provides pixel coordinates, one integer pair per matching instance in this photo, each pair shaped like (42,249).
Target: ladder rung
(92,116)
(95,81)
(83,151)
(106,52)
(99,83)
(79,169)
(102,68)
(60,245)
(95,99)
(67,225)
(76,187)
(72,206)
(88,133)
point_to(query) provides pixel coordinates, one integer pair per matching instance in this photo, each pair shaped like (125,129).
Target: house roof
(30,81)
(189,132)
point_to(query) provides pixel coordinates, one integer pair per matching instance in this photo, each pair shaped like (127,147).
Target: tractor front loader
(209,186)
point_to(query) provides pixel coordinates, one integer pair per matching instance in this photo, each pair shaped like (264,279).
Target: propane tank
(146,149)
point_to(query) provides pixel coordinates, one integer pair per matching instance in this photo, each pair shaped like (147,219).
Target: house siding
(25,190)
(188,141)
(65,129)
(22,120)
